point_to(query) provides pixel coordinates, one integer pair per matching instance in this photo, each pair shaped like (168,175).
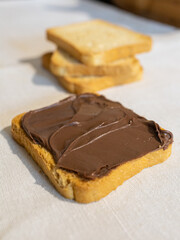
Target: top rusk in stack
(94,55)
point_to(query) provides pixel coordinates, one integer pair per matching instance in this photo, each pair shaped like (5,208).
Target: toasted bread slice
(98,42)
(69,184)
(84,84)
(63,64)
(94,83)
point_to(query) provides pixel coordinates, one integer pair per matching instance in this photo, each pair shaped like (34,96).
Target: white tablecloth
(146,206)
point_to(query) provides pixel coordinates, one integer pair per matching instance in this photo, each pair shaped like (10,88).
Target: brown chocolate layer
(90,135)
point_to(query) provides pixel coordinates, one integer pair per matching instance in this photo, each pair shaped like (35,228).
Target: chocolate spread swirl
(90,135)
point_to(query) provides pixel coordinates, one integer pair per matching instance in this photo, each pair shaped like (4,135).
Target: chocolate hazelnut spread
(90,135)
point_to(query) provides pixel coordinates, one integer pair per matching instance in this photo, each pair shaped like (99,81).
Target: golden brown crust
(70,185)
(46,58)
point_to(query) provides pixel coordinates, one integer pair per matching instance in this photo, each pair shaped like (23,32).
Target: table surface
(145,207)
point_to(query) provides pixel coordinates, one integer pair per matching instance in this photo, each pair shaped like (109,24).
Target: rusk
(98,42)
(69,184)
(63,64)
(94,83)
(84,84)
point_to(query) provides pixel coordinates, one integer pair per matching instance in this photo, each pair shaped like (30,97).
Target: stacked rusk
(94,55)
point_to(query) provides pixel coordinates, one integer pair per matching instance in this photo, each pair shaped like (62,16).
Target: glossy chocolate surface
(90,135)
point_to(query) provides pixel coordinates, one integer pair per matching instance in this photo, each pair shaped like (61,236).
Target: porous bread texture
(69,184)
(98,42)
(83,84)
(63,64)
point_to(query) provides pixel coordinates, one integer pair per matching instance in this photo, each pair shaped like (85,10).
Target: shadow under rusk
(115,15)
(42,76)
(30,164)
